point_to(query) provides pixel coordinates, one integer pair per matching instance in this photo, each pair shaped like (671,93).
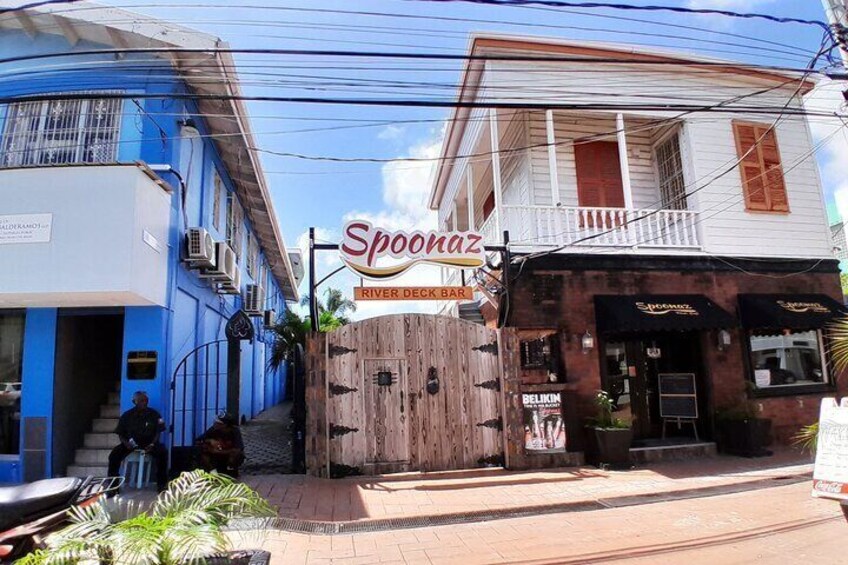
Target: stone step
(92,456)
(101,440)
(114,398)
(104,425)
(110,411)
(87,471)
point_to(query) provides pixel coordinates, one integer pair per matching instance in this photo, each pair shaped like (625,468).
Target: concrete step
(92,456)
(87,471)
(104,425)
(101,440)
(110,411)
(114,398)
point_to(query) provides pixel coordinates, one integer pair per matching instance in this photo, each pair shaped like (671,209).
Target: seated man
(221,446)
(139,429)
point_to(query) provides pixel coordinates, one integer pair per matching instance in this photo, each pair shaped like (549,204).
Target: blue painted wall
(153,131)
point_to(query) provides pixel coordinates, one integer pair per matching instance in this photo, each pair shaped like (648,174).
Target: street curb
(294,525)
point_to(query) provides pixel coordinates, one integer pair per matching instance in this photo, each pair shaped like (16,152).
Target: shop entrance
(634,366)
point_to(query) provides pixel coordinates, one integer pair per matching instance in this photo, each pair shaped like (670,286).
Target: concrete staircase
(92,459)
(470,312)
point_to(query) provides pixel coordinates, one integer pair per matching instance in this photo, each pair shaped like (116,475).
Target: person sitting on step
(139,429)
(221,446)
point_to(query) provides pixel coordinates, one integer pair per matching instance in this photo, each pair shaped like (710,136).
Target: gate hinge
(338,430)
(339,471)
(339,350)
(494,423)
(487,348)
(494,384)
(338,390)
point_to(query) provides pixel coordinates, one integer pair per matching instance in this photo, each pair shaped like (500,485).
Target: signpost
(830,475)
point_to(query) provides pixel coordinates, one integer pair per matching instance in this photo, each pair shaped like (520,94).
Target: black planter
(747,437)
(245,557)
(612,446)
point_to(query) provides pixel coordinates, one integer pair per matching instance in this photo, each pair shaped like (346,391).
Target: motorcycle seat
(34,500)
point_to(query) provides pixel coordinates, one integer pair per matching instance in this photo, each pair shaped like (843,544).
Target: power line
(32,5)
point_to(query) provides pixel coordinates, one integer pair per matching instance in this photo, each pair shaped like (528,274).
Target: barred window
(57,132)
(217,189)
(670,169)
(252,256)
(235,224)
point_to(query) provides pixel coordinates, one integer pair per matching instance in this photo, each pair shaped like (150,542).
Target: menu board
(678,397)
(544,428)
(830,475)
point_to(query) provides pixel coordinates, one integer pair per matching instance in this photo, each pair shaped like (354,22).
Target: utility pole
(837,16)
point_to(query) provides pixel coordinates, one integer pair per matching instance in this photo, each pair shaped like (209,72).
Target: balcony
(83,236)
(557,226)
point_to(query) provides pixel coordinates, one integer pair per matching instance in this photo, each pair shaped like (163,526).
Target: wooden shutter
(598,175)
(760,167)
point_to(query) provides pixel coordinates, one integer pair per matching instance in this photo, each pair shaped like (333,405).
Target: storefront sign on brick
(413,293)
(830,476)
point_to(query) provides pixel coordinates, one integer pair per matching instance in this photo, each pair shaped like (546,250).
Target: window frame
(235,225)
(217,190)
(828,386)
(674,133)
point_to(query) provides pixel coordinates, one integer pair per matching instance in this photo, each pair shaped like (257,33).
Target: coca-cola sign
(380,254)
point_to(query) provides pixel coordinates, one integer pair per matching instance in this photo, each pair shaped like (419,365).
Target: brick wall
(571,311)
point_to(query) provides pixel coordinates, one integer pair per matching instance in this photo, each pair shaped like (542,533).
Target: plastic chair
(137,468)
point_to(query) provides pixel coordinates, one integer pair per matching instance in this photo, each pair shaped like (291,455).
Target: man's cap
(226,418)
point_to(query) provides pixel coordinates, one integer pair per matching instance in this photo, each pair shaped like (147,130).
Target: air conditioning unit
(254,299)
(232,285)
(224,266)
(200,248)
(269,318)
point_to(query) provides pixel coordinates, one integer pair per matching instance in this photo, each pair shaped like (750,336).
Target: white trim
(552,157)
(469,191)
(496,168)
(624,162)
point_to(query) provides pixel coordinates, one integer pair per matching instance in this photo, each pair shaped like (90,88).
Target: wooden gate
(404,393)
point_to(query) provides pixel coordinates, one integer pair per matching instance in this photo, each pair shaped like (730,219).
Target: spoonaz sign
(379,254)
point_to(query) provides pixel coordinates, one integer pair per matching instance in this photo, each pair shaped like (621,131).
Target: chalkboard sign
(678,397)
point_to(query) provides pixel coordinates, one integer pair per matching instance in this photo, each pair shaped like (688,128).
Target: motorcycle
(30,512)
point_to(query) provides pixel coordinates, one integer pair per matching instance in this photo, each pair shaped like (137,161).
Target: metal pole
(837,15)
(313,300)
(503,311)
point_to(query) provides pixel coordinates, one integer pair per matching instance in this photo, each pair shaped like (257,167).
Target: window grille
(252,252)
(217,189)
(235,224)
(58,132)
(670,169)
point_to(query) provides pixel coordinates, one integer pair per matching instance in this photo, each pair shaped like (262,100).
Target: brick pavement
(439,494)
(267,442)
(775,526)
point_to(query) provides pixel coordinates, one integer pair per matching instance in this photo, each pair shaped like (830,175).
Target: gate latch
(384,378)
(432,381)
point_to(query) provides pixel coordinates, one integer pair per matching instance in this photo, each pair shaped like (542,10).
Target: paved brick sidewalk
(438,494)
(775,526)
(267,442)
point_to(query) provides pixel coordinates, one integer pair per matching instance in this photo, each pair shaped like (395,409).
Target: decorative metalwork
(240,327)
(494,384)
(487,348)
(433,384)
(494,423)
(338,390)
(496,460)
(339,350)
(339,471)
(338,430)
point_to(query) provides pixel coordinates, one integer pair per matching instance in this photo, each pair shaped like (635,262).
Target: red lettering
(436,242)
(398,244)
(474,243)
(417,240)
(455,244)
(351,232)
(378,246)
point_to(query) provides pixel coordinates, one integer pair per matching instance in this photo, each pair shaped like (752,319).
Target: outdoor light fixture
(723,340)
(587,341)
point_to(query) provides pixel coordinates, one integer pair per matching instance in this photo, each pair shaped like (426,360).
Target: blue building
(108,163)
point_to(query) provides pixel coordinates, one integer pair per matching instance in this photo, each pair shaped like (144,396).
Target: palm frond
(807,438)
(838,334)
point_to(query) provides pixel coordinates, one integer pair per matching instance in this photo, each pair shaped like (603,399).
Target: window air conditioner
(200,248)
(268,319)
(232,285)
(224,260)
(254,299)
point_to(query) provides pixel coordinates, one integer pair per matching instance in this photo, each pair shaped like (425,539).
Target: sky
(325,194)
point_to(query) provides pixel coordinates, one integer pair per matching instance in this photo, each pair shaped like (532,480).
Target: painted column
(469,189)
(496,170)
(623,160)
(552,157)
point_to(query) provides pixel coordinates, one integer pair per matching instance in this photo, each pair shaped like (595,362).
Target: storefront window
(618,380)
(788,359)
(11,354)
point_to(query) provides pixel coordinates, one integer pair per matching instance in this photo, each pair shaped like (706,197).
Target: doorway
(631,372)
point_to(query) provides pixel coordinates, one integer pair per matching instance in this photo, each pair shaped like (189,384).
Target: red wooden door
(598,179)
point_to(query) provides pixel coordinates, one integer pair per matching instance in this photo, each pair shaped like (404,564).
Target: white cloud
(392,133)
(827,97)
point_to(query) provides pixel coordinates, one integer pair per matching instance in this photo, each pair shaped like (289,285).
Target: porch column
(454,219)
(496,170)
(624,162)
(552,157)
(469,190)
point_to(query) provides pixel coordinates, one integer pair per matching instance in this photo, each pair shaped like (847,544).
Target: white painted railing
(596,227)
(490,232)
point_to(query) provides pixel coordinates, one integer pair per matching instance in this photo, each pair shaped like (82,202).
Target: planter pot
(244,557)
(746,438)
(613,446)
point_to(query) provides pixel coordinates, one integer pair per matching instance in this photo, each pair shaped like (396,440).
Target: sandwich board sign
(830,475)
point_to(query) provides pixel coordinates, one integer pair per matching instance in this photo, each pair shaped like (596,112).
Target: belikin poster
(544,429)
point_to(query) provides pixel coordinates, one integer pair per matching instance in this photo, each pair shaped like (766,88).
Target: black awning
(788,311)
(642,313)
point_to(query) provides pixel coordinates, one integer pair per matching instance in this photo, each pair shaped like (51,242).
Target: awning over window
(642,313)
(788,311)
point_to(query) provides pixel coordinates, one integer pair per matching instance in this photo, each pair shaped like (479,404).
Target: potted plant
(612,436)
(185,524)
(741,431)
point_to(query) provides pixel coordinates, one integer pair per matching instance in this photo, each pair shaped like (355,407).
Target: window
(787,360)
(217,190)
(59,132)
(670,171)
(598,171)
(535,353)
(760,167)
(252,257)
(11,348)
(235,224)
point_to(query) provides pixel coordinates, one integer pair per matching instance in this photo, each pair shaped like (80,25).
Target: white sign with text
(25,228)
(830,476)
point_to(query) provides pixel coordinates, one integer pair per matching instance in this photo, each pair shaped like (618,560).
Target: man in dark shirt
(221,446)
(139,429)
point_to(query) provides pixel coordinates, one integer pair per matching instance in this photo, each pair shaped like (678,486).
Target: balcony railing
(595,227)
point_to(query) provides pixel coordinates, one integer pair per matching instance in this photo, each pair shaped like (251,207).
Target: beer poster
(544,429)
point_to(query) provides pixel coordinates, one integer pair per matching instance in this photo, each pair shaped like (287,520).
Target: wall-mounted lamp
(723,340)
(587,342)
